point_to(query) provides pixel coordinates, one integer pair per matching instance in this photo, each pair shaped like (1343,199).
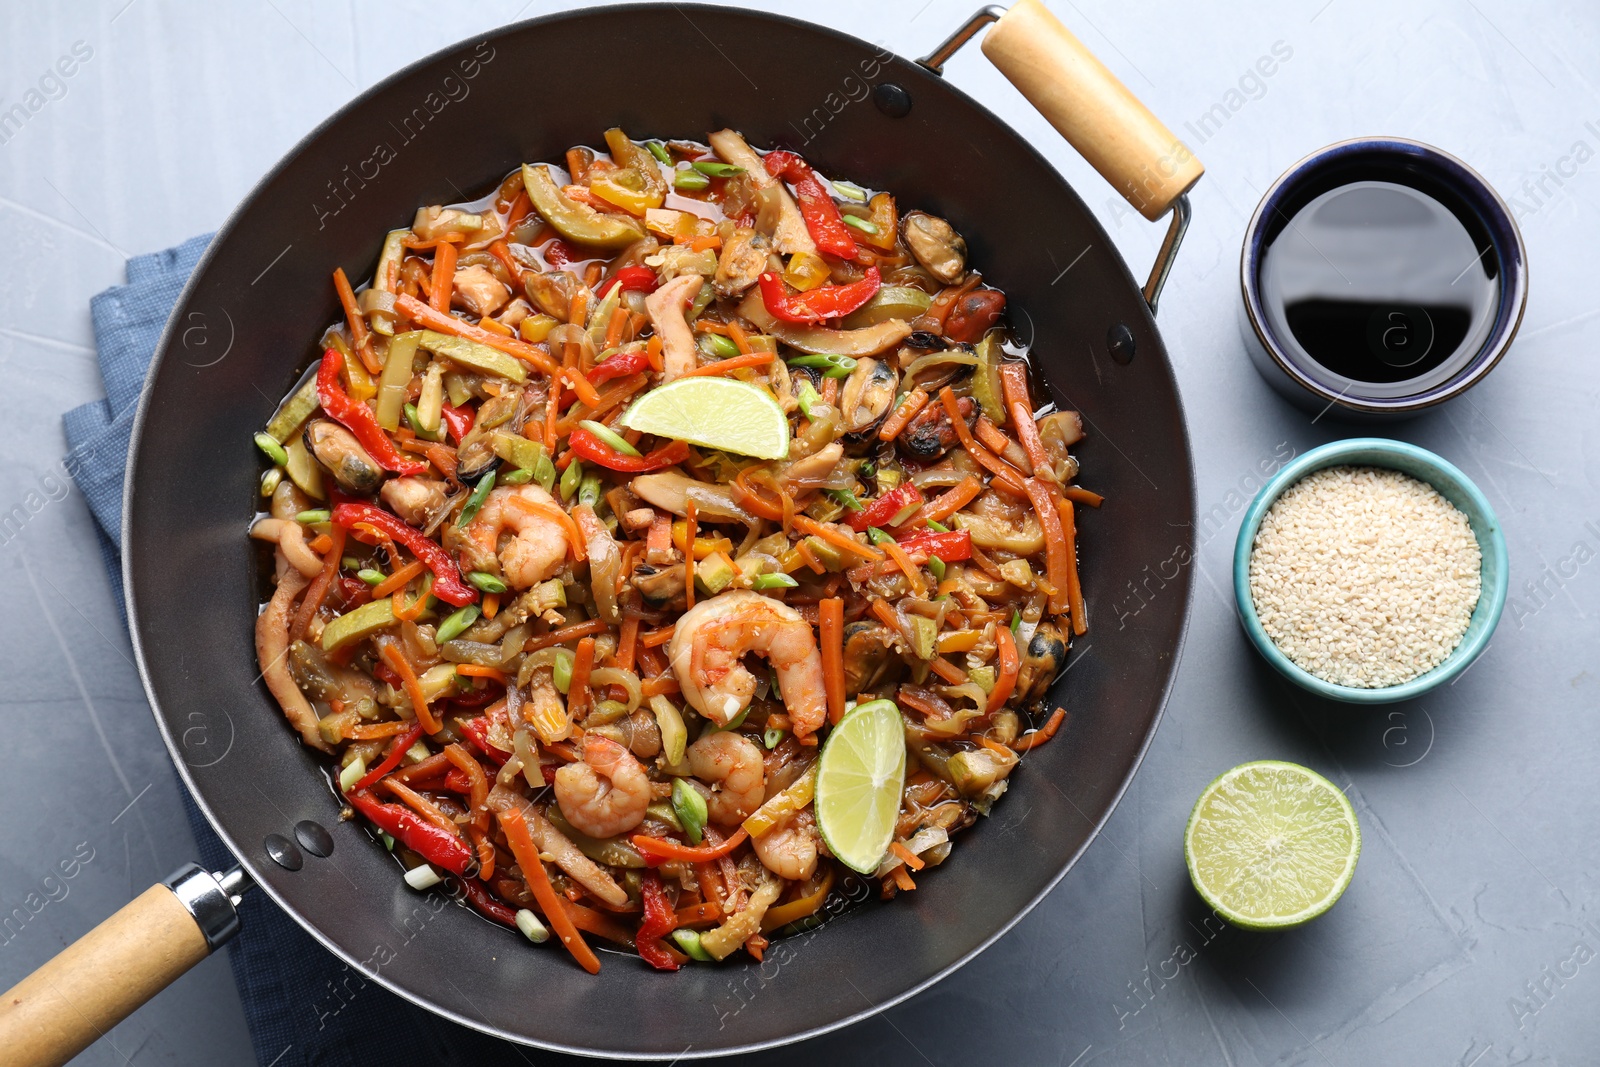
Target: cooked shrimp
(539,544)
(605,793)
(732,765)
(789,850)
(713,636)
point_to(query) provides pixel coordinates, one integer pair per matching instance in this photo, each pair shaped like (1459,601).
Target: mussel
(337,449)
(866,399)
(937,246)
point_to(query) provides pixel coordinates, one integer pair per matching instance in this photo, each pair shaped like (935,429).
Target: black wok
(452,126)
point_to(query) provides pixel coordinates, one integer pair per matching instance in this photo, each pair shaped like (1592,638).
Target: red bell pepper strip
(633,279)
(558,253)
(952,546)
(886,507)
(392,760)
(448,584)
(486,904)
(477,731)
(458,421)
(659,920)
(591,448)
(619,366)
(827,228)
(824,302)
(359,419)
(438,847)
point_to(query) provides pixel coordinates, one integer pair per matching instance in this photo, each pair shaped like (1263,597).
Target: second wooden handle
(1095,112)
(99,980)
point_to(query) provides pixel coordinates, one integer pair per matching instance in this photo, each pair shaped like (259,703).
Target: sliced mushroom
(998,522)
(937,245)
(479,291)
(415,499)
(789,231)
(475,456)
(866,399)
(866,655)
(1041,661)
(744,258)
(670,491)
(337,449)
(814,468)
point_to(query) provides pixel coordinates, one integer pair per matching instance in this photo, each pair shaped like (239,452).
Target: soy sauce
(1379,281)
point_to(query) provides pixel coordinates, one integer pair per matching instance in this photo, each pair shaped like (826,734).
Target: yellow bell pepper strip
(575,221)
(783,804)
(359,419)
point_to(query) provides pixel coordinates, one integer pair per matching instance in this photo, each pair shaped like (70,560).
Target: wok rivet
(283,852)
(314,838)
(1119,339)
(892,100)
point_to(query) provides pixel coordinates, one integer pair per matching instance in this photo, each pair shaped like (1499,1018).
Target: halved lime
(860,775)
(1271,845)
(720,413)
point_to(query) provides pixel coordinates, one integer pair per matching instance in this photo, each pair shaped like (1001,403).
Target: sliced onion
(936,359)
(935,477)
(617,676)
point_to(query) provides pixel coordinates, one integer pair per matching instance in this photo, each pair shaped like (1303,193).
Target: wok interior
(455,124)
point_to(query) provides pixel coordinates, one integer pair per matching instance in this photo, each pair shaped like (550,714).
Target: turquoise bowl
(1455,487)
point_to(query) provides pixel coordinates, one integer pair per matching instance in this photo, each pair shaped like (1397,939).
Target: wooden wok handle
(1095,112)
(102,978)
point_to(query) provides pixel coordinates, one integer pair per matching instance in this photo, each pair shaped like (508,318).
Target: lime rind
(1271,845)
(720,413)
(860,777)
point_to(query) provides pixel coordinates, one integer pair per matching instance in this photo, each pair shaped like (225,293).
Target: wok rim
(254,866)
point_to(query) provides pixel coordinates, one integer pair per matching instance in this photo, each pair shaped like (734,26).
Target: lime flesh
(860,775)
(1271,845)
(720,413)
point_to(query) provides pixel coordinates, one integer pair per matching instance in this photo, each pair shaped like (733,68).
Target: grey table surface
(1467,934)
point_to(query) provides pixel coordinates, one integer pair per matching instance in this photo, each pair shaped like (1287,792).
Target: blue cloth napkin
(303,1006)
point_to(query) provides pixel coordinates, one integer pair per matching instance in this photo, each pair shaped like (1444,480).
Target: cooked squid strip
(272,652)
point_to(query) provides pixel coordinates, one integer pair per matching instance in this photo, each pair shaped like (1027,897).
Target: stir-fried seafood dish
(662,538)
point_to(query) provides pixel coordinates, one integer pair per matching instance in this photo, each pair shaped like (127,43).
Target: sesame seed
(1364,576)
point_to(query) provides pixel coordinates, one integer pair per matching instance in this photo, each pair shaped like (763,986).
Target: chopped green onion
(715,169)
(520,476)
(877,536)
(423,877)
(388,842)
(353,772)
(270,479)
(415,422)
(938,526)
(350,563)
(589,490)
(847,497)
(544,471)
(691,180)
(690,807)
(807,396)
(371,575)
(486,581)
(609,437)
(773,581)
(273,449)
(1016,622)
(936,565)
(689,941)
(721,347)
(314,516)
(850,191)
(417,753)
(771,737)
(571,478)
(475,501)
(561,670)
(867,470)
(659,150)
(458,621)
(834,366)
(864,225)
(531,927)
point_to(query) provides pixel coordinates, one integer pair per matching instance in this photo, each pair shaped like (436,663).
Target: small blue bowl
(1453,486)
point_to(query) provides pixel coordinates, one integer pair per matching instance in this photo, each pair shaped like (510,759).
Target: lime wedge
(859,778)
(1271,845)
(722,413)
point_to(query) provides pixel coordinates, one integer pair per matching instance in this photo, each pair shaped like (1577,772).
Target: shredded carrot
(691,525)
(740,339)
(619,319)
(909,408)
(830,630)
(959,496)
(660,848)
(1043,734)
(913,573)
(710,326)
(390,654)
(444,277)
(425,316)
(701,244)
(398,580)
(658,637)
(320,544)
(809,558)
(499,249)
(652,352)
(660,685)
(557,515)
(1014,387)
(317,591)
(373,731)
(578,694)
(706,912)
(1055,542)
(753,359)
(421,805)
(836,537)
(567,633)
(947,670)
(356,322)
(628,643)
(1081,495)
(1005,475)
(491,605)
(603,404)
(412,611)
(754,501)
(1009,663)
(1069,535)
(902,878)
(515,825)
(474,670)
(910,858)
(500,328)
(991,436)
